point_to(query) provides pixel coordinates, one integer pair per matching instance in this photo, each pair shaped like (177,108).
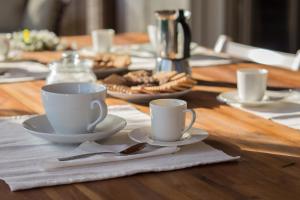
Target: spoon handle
(83,155)
(129,150)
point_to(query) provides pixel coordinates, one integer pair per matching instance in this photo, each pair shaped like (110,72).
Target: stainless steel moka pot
(173,40)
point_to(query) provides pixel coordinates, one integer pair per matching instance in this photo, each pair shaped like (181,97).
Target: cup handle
(103,112)
(192,121)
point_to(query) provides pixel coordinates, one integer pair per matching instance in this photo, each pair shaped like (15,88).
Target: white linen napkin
(22,71)
(23,157)
(286,112)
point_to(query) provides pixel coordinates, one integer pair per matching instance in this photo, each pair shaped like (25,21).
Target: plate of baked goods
(105,64)
(143,86)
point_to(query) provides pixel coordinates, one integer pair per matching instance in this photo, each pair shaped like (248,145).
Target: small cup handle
(103,112)
(192,121)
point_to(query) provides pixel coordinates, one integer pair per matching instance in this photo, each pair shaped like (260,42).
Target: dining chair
(16,15)
(225,45)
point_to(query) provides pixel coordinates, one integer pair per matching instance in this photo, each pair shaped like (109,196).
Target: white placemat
(22,156)
(22,71)
(286,112)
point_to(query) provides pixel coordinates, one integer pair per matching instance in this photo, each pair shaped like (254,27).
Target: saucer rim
(64,137)
(180,140)
(203,133)
(221,97)
(79,134)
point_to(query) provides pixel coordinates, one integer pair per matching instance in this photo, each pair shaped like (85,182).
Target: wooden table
(269,167)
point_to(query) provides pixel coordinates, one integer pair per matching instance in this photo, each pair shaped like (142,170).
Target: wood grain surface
(269,167)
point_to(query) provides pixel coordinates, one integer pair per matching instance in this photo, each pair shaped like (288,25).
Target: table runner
(21,155)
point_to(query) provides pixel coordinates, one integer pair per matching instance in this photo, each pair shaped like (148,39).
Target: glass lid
(70,61)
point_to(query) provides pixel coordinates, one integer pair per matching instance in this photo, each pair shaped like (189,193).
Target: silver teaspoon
(129,150)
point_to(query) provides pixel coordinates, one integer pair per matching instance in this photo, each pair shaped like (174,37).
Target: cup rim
(47,88)
(181,103)
(253,71)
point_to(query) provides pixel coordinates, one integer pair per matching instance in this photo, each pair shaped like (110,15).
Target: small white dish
(102,72)
(270,97)
(39,126)
(194,135)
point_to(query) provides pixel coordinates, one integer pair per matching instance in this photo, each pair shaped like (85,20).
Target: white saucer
(40,127)
(194,135)
(269,98)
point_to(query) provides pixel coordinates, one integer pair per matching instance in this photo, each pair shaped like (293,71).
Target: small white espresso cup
(251,84)
(74,108)
(102,40)
(168,119)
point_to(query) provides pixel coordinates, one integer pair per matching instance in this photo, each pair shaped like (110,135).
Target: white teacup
(168,119)
(74,108)
(102,40)
(251,84)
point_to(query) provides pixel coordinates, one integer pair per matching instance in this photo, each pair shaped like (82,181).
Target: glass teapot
(71,69)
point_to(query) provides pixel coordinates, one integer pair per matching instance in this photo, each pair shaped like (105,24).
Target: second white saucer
(194,135)
(40,127)
(269,98)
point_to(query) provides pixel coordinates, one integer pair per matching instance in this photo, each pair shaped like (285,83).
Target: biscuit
(109,60)
(115,79)
(119,88)
(178,76)
(142,90)
(121,61)
(142,82)
(139,77)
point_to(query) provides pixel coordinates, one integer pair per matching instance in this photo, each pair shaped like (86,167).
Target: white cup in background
(102,40)
(152,35)
(74,108)
(251,84)
(168,119)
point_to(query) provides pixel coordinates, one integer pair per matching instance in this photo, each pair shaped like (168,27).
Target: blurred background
(272,24)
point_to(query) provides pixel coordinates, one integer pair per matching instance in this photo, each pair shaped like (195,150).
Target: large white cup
(74,108)
(102,40)
(251,84)
(168,119)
